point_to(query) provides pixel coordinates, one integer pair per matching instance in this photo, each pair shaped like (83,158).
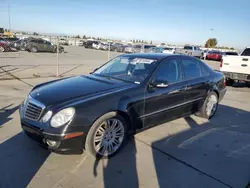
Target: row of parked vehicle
(118,47)
(194,51)
(28,44)
(216,55)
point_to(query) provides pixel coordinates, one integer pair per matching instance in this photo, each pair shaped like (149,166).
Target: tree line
(212,43)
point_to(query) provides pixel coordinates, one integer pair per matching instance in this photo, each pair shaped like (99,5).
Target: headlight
(47,116)
(62,117)
(25,100)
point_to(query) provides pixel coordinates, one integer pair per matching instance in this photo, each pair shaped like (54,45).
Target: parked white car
(194,51)
(204,54)
(96,45)
(236,67)
(168,50)
(103,46)
(63,42)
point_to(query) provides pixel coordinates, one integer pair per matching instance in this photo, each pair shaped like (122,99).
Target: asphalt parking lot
(187,152)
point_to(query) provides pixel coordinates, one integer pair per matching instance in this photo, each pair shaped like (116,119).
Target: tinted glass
(188,47)
(148,46)
(47,42)
(198,48)
(204,69)
(191,69)
(246,52)
(168,72)
(168,48)
(128,68)
(231,53)
(40,41)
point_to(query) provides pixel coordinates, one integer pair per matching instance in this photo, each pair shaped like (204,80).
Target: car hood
(74,88)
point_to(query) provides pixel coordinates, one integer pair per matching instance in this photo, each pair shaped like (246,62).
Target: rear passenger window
(191,69)
(188,48)
(204,70)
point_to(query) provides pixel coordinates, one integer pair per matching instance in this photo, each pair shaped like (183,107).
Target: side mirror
(158,84)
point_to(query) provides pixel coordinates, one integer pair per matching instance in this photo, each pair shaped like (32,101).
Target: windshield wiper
(115,78)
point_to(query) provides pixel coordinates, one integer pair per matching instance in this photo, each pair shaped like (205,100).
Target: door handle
(244,65)
(177,90)
(174,91)
(245,59)
(188,88)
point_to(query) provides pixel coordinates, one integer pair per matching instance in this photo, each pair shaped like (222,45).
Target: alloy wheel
(1,49)
(108,137)
(211,105)
(33,49)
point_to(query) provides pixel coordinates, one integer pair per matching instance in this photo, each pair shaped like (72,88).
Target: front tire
(209,106)
(106,136)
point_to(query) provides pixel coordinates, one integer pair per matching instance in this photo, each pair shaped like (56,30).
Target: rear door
(237,64)
(196,83)
(48,47)
(40,45)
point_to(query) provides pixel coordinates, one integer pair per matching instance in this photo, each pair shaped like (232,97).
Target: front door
(163,102)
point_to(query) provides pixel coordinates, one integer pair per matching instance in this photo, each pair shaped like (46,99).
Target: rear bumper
(222,94)
(237,76)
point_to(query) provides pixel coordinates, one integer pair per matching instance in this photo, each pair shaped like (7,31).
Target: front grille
(33,109)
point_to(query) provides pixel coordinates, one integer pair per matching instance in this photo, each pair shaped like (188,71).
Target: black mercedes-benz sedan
(129,93)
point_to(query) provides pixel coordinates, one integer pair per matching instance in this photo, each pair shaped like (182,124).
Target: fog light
(52,143)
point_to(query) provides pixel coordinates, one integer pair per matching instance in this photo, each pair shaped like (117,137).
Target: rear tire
(248,84)
(229,82)
(114,134)
(61,50)
(33,49)
(209,106)
(2,49)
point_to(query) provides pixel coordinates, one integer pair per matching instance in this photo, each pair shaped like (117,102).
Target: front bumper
(237,76)
(65,143)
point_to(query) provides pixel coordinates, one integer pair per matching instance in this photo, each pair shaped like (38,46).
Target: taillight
(221,62)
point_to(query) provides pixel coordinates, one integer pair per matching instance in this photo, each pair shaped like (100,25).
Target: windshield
(130,69)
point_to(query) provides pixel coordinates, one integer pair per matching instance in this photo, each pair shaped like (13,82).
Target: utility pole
(57,58)
(109,51)
(9,19)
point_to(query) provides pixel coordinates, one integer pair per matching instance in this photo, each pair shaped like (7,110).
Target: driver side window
(169,72)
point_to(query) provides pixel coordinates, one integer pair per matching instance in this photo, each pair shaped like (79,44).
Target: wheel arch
(126,118)
(118,112)
(217,92)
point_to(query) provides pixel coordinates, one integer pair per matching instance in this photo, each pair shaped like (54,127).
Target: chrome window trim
(169,108)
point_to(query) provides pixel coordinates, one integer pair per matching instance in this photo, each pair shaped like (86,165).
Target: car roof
(156,56)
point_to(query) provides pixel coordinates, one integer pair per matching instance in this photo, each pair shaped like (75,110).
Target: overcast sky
(172,21)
